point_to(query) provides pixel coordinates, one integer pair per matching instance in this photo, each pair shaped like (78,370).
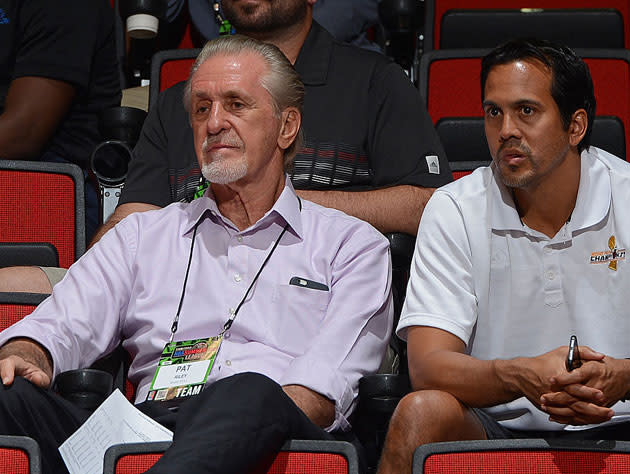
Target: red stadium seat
(460,23)
(15,306)
(523,456)
(296,457)
(43,202)
(168,68)
(456,73)
(18,454)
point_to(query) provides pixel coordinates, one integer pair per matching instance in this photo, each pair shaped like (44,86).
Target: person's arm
(352,338)
(394,209)
(33,110)
(406,157)
(121,211)
(319,409)
(26,358)
(83,318)
(437,360)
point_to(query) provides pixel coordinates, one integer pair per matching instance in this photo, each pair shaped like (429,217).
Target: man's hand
(25,358)
(537,374)
(584,395)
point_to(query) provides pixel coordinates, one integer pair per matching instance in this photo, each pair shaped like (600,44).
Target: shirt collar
(504,213)
(288,207)
(592,204)
(314,57)
(594,195)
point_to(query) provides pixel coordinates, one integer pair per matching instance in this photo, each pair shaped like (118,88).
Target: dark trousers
(231,427)
(494,430)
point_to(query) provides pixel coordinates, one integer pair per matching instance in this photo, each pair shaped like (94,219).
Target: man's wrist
(506,372)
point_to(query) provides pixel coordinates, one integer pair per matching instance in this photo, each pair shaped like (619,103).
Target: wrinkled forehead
(243,71)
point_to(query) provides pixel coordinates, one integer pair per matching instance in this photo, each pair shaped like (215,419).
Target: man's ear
(577,127)
(289,127)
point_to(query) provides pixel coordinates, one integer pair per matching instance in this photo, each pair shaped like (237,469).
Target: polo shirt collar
(504,215)
(592,204)
(288,207)
(314,57)
(594,195)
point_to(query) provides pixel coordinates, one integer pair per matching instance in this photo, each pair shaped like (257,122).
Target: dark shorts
(494,430)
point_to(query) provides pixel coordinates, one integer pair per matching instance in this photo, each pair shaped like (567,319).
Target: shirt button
(237,277)
(547,250)
(551,275)
(227,335)
(231,311)
(228,363)
(239,238)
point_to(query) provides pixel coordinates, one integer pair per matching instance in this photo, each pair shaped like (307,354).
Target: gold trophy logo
(611,245)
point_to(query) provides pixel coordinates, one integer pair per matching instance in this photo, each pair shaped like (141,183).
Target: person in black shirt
(58,71)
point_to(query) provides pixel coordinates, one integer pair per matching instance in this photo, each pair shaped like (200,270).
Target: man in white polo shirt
(513,260)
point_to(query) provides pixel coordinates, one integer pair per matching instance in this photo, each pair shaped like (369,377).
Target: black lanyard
(228,323)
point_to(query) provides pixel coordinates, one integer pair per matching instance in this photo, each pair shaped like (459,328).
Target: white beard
(224,171)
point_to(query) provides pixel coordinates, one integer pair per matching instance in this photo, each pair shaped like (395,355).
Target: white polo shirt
(506,290)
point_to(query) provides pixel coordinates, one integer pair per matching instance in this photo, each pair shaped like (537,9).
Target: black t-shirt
(365,127)
(71,41)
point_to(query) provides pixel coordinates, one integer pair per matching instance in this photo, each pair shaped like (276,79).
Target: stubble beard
(279,14)
(517,179)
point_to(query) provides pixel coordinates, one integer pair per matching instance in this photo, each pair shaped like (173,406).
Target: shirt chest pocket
(299,313)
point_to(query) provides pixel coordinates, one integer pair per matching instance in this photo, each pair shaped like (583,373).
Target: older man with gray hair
(286,302)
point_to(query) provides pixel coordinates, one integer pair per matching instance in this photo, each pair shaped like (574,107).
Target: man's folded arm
(392,209)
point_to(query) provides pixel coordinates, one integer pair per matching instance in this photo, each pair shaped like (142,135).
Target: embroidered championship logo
(611,257)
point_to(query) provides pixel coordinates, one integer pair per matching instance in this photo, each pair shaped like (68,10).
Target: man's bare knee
(433,415)
(24,279)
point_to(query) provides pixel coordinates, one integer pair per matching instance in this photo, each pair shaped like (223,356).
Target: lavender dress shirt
(126,289)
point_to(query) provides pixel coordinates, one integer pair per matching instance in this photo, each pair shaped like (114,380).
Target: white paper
(116,421)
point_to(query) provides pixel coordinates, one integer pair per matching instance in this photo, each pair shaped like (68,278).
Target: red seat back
(296,457)
(19,455)
(284,463)
(43,202)
(14,461)
(169,67)
(530,456)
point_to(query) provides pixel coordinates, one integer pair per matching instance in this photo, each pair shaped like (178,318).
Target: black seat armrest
(87,388)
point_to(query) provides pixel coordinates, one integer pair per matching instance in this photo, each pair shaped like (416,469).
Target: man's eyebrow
(200,94)
(528,102)
(516,103)
(237,94)
(229,94)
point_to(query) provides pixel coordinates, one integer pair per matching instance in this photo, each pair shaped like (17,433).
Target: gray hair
(281,81)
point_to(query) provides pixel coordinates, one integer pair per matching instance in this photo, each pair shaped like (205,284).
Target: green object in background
(203,185)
